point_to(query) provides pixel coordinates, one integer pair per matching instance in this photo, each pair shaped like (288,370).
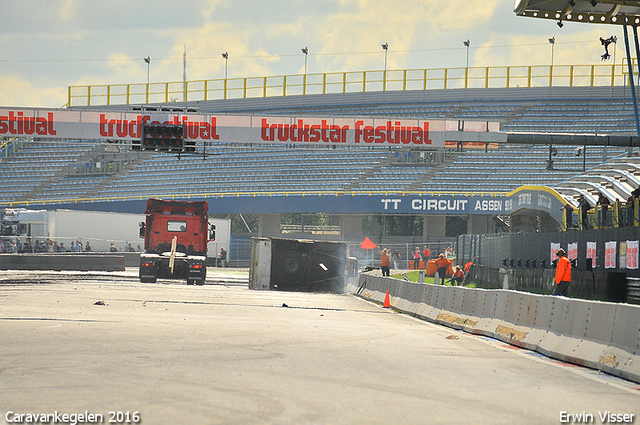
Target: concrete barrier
(63,261)
(599,335)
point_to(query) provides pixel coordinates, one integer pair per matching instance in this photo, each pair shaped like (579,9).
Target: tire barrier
(600,335)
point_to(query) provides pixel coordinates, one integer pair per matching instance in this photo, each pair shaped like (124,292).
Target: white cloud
(68,9)
(18,92)
(264,39)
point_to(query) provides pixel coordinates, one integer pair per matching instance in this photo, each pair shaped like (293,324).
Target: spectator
(78,246)
(604,203)
(87,247)
(384,262)
(568,215)
(448,252)
(27,248)
(458,277)
(442,264)
(585,206)
(73,247)
(426,255)
(223,257)
(139,249)
(113,248)
(397,260)
(416,259)
(61,248)
(467,268)
(563,274)
(631,204)
(130,248)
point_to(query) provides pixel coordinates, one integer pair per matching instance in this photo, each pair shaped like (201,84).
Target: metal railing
(350,82)
(7,147)
(618,214)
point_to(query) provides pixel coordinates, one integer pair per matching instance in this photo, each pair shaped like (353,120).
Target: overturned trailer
(297,265)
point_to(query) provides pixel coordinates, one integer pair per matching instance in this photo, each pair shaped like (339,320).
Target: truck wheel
(147,280)
(191,281)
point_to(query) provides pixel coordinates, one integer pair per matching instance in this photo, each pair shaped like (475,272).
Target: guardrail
(349,82)
(598,335)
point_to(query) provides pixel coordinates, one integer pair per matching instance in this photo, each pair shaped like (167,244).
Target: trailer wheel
(191,281)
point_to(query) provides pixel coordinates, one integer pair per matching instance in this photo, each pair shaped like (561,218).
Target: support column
(435,226)
(478,224)
(631,82)
(351,227)
(269,225)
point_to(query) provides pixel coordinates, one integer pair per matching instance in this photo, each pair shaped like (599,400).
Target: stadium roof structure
(616,12)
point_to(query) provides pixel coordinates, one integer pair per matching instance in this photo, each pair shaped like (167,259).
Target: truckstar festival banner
(127,126)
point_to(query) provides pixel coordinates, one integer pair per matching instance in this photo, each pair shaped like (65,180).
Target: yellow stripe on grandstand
(546,189)
(13,204)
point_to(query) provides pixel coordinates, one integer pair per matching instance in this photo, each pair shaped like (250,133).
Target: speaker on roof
(163,137)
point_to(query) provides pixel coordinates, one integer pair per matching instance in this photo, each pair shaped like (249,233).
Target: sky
(48,45)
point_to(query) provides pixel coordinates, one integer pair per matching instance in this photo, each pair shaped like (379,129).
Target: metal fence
(240,250)
(350,82)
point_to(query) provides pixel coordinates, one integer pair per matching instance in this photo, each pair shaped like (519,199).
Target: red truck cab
(175,235)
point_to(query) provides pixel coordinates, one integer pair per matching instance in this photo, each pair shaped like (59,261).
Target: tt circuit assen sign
(126,126)
(537,198)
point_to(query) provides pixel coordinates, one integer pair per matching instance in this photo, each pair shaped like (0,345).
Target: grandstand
(49,174)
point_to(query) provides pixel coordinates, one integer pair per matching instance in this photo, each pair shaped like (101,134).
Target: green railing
(350,82)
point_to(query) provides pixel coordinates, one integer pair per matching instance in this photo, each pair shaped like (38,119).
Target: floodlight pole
(148,61)
(304,77)
(466,70)
(306,53)
(467,43)
(225,55)
(631,83)
(552,41)
(385,47)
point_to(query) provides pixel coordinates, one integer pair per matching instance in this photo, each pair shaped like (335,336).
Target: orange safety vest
(442,262)
(468,266)
(384,260)
(563,271)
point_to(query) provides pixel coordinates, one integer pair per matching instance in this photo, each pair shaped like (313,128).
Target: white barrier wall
(599,335)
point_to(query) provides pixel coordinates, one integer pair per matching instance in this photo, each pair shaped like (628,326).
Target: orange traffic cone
(386,303)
